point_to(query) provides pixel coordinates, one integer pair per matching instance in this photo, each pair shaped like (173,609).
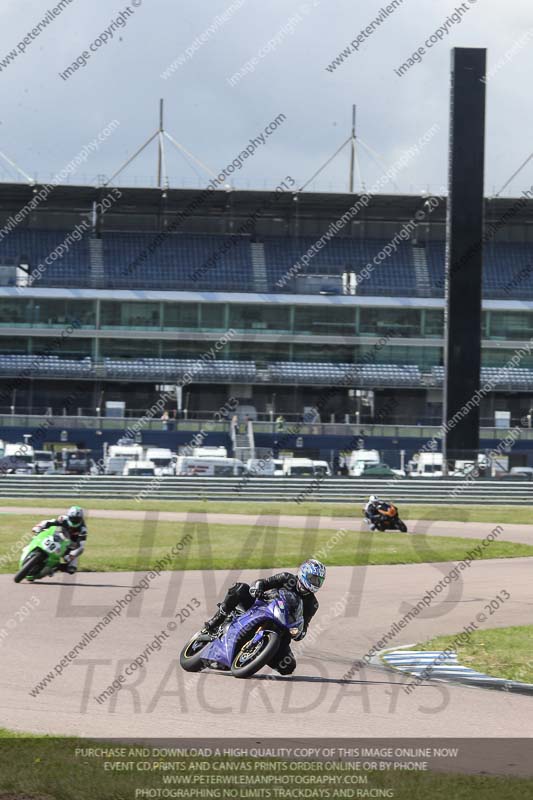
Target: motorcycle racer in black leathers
(305,584)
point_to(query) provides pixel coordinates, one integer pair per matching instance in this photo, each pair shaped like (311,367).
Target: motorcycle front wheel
(401,526)
(33,564)
(191,659)
(250,657)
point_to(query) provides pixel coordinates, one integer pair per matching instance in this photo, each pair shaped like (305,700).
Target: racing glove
(257,589)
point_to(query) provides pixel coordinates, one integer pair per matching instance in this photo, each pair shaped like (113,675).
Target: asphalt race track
(328,695)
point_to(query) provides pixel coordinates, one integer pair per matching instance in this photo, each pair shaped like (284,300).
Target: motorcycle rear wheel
(36,559)
(246,664)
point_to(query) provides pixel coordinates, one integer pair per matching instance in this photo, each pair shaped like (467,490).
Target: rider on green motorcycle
(73,526)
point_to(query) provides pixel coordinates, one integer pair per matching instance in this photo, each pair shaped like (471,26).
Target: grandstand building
(285,301)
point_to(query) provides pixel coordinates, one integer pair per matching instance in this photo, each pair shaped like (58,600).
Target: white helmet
(373,498)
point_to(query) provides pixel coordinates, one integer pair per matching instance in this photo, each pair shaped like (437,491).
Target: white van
(209,467)
(138,469)
(163,460)
(209,452)
(426,465)
(21,458)
(261,467)
(117,455)
(44,462)
(358,460)
(322,468)
(277,463)
(299,468)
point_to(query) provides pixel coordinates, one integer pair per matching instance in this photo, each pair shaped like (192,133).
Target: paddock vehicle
(77,462)
(426,465)
(139,469)
(322,469)
(358,461)
(378,470)
(162,459)
(247,640)
(389,519)
(299,468)
(42,555)
(209,467)
(19,459)
(116,456)
(44,462)
(261,467)
(209,452)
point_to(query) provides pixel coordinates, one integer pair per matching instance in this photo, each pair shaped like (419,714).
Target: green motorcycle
(42,555)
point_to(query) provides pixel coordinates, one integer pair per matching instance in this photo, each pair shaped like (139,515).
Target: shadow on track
(44,582)
(310,679)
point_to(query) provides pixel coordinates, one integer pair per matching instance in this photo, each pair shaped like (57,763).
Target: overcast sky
(45,120)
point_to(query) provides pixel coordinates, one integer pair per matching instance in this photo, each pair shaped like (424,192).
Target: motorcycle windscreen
(292,607)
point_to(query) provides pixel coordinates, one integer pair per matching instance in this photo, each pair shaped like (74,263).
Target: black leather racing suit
(239,594)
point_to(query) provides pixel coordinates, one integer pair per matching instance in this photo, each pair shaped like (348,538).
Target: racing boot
(216,620)
(68,568)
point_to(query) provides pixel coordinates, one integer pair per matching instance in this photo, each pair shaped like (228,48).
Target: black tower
(464,255)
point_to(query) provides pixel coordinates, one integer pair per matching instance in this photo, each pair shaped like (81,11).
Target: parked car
(515,476)
(522,471)
(44,462)
(379,470)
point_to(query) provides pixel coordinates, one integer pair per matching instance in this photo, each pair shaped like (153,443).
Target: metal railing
(295,490)
(297,428)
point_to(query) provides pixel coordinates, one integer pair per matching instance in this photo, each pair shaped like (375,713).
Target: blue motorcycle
(248,639)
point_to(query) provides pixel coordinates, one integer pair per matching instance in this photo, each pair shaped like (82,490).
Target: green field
(48,768)
(450,513)
(115,545)
(499,652)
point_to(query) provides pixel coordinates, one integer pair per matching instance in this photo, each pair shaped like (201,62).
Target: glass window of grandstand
(395,322)
(323,353)
(434,323)
(129,348)
(262,353)
(424,357)
(328,320)
(58,313)
(212,316)
(259,318)
(66,348)
(511,325)
(186,350)
(501,358)
(13,345)
(14,311)
(180,316)
(129,315)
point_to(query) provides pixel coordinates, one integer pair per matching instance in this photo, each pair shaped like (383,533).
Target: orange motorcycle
(389,519)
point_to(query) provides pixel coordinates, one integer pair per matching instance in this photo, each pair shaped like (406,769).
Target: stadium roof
(286,204)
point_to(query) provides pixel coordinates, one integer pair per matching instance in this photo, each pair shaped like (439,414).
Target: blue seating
(348,374)
(341,254)
(34,246)
(280,372)
(177,261)
(223,262)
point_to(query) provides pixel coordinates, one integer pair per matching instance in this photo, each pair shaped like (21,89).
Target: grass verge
(116,545)
(498,652)
(50,768)
(448,513)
